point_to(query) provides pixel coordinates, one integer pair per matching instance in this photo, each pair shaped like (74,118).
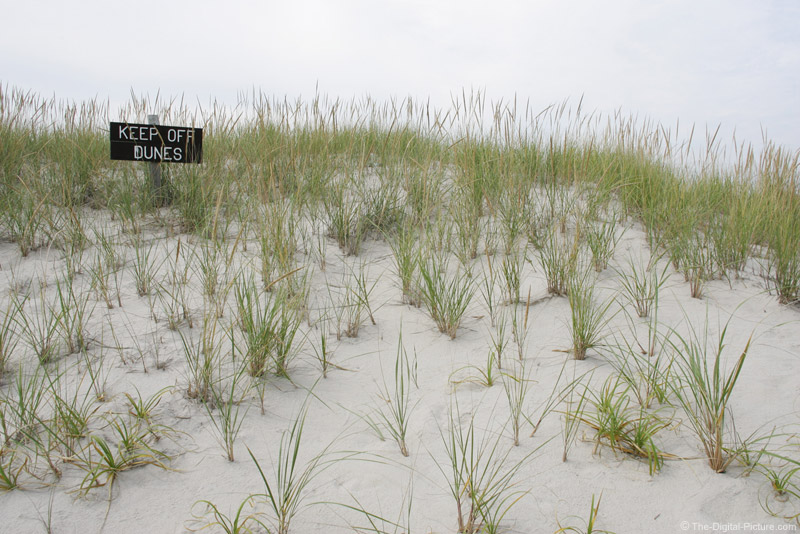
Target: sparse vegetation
(244,276)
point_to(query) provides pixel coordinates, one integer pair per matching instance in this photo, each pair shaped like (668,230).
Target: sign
(156,143)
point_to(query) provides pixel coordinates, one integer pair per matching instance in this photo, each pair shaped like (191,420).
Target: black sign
(156,143)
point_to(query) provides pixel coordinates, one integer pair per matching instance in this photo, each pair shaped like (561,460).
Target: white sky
(729,62)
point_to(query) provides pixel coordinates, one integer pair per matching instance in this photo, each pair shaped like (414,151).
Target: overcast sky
(728,62)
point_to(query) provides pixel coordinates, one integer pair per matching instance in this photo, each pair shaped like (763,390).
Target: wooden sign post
(155,171)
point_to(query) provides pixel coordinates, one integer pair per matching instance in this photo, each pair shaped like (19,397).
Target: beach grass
(310,227)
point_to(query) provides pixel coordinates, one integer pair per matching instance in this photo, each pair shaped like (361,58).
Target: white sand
(150,499)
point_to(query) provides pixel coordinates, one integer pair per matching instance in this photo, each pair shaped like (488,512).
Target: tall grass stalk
(74,316)
(516,387)
(520,327)
(142,266)
(173,292)
(106,270)
(575,406)
(8,336)
(40,325)
(290,479)
(225,410)
(499,341)
(357,300)
(511,269)
(487,287)
(395,408)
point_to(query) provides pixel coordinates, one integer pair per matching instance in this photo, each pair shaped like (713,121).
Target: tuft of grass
(622,427)
(290,479)
(173,292)
(395,408)
(646,372)
(143,410)
(74,315)
(8,336)
(27,218)
(406,259)
(480,475)
(277,241)
(269,329)
(784,258)
(106,270)
(142,266)
(237,524)
(558,259)
(40,325)
(202,360)
(516,387)
(485,376)
(704,392)
(225,410)
(698,264)
(104,462)
(356,300)
(640,286)
(602,238)
(511,269)
(346,222)
(588,318)
(71,417)
(446,296)
(590,528)
(466,218)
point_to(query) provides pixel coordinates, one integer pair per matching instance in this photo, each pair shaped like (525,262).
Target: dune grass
(458,200)
(704,393)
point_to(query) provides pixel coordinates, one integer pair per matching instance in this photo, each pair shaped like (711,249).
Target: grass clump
(590,522)
(446,296)
(395,408)
(270,326)
(588,318)
(481,477)
(704,389)
(640,286)
(558,259)
(290,479)
(624,428)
